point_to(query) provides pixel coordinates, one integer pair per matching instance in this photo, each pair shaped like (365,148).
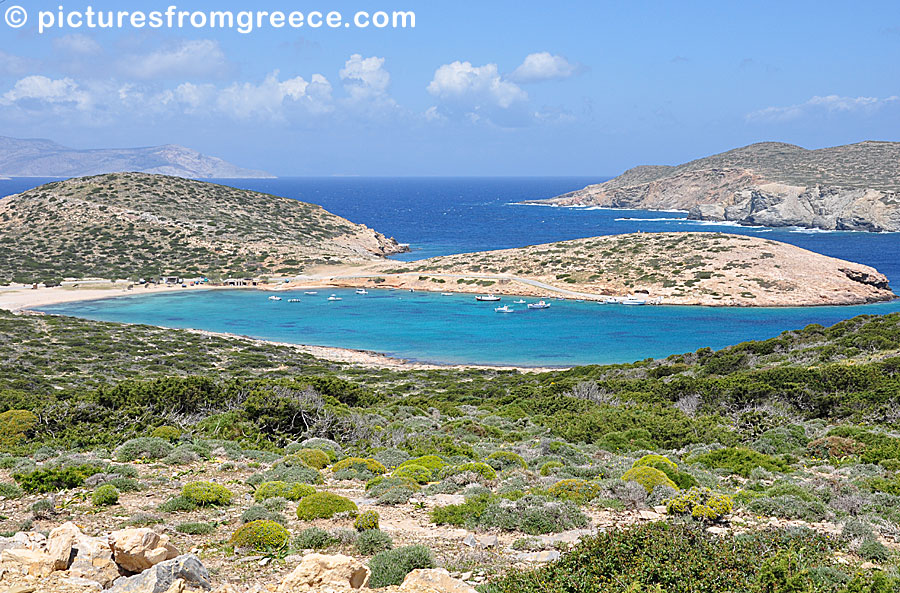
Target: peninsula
(854,187)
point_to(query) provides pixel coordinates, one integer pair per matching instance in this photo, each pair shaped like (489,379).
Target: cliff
(853,187)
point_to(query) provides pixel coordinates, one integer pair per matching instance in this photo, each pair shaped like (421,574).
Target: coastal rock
(433,580)
(164,577)
(326,574)
(136,550)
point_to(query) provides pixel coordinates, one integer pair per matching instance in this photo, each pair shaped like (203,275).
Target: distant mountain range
(852,187)
(45,158)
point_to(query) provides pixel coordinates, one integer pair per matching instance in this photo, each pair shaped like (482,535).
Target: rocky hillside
(134,225)
(44,158)
(853,187)
(682,268)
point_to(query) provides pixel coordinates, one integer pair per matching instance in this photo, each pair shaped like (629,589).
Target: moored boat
(362,291)
(274,298)
(334,297)
(539,305)
(487,298)
(504,309)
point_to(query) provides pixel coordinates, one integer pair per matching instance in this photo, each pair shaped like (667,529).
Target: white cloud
(475,86)
(34,93)
(76,43)
(15,65)
(543,66)
(365,78)
(272,97)
(819,105)
(200,58)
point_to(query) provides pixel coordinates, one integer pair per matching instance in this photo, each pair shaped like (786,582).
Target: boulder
(32,562)
(164,577)
(326,574)
(93,560)
(136,550)
(434,580)
(60,544)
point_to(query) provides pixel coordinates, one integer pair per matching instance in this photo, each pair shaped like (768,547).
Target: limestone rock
(32,562)
(539,557)
(163,577)
(326,574)
(433,580)
(93,560)
(136,550)
(60,544)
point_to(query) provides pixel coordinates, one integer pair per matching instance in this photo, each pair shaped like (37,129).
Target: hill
(852,187)
(133,225)
(682,268)
(45,158)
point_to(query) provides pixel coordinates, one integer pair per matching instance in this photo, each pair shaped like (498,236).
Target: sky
(477,88)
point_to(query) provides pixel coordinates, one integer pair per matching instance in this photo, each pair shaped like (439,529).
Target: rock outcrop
(324,573)
(854,187)
(136,550)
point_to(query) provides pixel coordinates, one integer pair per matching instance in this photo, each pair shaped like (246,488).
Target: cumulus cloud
(821,105)
(365,78)
(78,44)
(544,66)
(475,86)
(34,93)
(271,98)
(199,58)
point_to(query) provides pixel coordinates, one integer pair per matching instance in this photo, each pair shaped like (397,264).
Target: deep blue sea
(438,216)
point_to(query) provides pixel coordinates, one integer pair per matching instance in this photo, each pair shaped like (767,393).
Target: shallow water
(430,327)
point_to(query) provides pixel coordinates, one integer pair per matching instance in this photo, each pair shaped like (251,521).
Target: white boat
(334,297)
(633,301)
(520,302)
(504,309)
(612,300)
(274,298)
(293,300)
(311,292)
(446,294)
(490,298)
(362,291)
(539,305)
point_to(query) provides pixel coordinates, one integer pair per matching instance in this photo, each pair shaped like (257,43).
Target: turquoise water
(456,329)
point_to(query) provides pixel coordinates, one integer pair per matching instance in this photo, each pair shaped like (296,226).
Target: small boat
(311,292)
(274,298)
(334,297)
(293,300)
(539,305)
(633,301)
(613,300)
(362,291)
(520,302)
(489,298)
(446,294)
(504,309)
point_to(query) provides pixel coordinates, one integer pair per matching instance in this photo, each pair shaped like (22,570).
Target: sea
(439,216)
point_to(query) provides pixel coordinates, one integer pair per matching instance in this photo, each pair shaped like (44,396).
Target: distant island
(135,225)
(854,187)
(45,158)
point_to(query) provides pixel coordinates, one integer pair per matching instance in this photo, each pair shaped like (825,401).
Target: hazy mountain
(45,158)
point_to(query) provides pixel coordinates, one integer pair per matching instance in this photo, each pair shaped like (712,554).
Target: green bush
(10,490)
(294,491)
(366,521)
(430,462)
(14,424)
(634,439)
(534,515)
(262,536)
(390,567)
(204,493)
(466,513)
(575,490)
(390,490)
(259,512)
(547,468)
(167,433)
(874,551)
(788,506)
(421,475)
(287,473)
(313,538)
(373,541)
(105,495)
(482,469)
(54,479)
(682,480)
(740,461)
(649,478)
(176,504)
(323,505)
(701,504)
(501,460)
(314,458)
(195,528)
(359,464)
(147,448)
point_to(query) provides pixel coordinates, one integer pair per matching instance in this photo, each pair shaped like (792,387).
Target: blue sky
(477,88)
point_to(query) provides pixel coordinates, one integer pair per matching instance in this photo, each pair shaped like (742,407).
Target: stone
(539,557)
(649,515)
(19,540)
(33,562)
(60,544)
(433,580)
(163,576)
(81,583)
(470,540)
(488,541)
(324,573)
(136,550)
(94,560)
